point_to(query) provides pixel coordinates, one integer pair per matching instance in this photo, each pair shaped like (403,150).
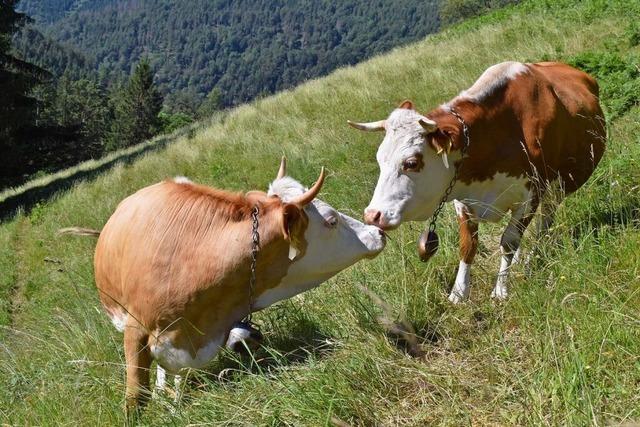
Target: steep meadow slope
(563,350)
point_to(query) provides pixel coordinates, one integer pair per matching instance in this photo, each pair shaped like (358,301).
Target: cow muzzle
(379,219)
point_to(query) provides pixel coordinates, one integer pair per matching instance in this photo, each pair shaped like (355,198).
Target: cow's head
(334,241)
(416,165)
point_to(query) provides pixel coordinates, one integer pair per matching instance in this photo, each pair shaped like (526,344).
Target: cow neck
(428,242)
(255,248)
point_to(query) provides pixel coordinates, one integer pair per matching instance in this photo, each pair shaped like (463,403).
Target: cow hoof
(456,298)
(499,293)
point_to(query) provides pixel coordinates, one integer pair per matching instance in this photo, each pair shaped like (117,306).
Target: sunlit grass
(563,350)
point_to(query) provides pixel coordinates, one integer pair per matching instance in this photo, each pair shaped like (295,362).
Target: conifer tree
(18,110)
(17,78)
(211,104)
(137,106)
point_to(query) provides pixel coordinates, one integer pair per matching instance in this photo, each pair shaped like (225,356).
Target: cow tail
(79,231)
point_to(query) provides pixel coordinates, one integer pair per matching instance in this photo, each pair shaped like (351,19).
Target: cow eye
(410,164)
(331,222)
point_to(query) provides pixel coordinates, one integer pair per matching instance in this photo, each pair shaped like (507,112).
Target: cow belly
(490,200)
(174,359)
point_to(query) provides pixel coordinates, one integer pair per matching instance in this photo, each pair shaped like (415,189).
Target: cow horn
(311,193)
(428,124)
(282,172)
(369,127)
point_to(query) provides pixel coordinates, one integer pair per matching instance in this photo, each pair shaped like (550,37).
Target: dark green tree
(82,104)
(245,48)
(211,104)
(18,109)
(136,107)
(453,11)
(17,78)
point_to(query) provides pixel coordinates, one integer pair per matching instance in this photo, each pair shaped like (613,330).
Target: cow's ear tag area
(427,245)
(293,252)
(293,224)
(445,160)
(290,216)
(442,146)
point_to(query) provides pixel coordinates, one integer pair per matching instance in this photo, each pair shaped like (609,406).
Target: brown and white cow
(531,126)
(172,265)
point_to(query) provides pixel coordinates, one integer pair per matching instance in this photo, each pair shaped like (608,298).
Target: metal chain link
(255,248)
(452,183)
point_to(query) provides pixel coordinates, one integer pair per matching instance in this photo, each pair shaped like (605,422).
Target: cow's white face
(413,176)
(334,242)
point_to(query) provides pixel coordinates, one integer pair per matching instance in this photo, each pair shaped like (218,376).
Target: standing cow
(530,127)
(173,265)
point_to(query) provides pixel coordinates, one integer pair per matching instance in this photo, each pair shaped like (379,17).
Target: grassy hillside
(563,350)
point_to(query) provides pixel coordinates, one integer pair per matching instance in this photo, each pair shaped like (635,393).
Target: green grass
(563,350)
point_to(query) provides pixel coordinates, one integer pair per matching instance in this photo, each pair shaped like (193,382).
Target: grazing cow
(530,127)
(172,265)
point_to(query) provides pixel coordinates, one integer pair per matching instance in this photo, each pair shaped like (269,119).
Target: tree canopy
(243,48)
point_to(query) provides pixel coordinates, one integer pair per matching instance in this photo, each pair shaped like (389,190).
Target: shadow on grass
(28,198)
(608,220)
(411,338)
(35,192)
(300,342)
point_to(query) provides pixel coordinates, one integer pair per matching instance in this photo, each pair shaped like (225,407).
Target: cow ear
(441,142)
(294,224)
(406,105)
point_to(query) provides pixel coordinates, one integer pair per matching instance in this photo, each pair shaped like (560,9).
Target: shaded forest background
(114,73)
(243,48)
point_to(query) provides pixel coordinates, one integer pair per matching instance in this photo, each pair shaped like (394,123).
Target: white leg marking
(161,378)
(460,208)
(500,290)
(517,257)
(177,382)
(461,288)
(509,246)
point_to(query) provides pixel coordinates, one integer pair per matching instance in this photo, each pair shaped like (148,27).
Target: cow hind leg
(547,216)
(468,249)
(548,206)
(138,360)
(510,244)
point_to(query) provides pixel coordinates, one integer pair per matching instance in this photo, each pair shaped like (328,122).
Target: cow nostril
(372,216)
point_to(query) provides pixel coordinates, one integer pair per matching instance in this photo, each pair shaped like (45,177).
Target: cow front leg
(510,244)
(468,249)
(162,386)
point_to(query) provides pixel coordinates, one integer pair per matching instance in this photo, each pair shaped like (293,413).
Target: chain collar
(255,248)
(463,151)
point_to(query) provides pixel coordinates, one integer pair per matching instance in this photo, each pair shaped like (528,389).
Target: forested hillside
(244,48)
(51,10)
(35,47)
(203,56)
